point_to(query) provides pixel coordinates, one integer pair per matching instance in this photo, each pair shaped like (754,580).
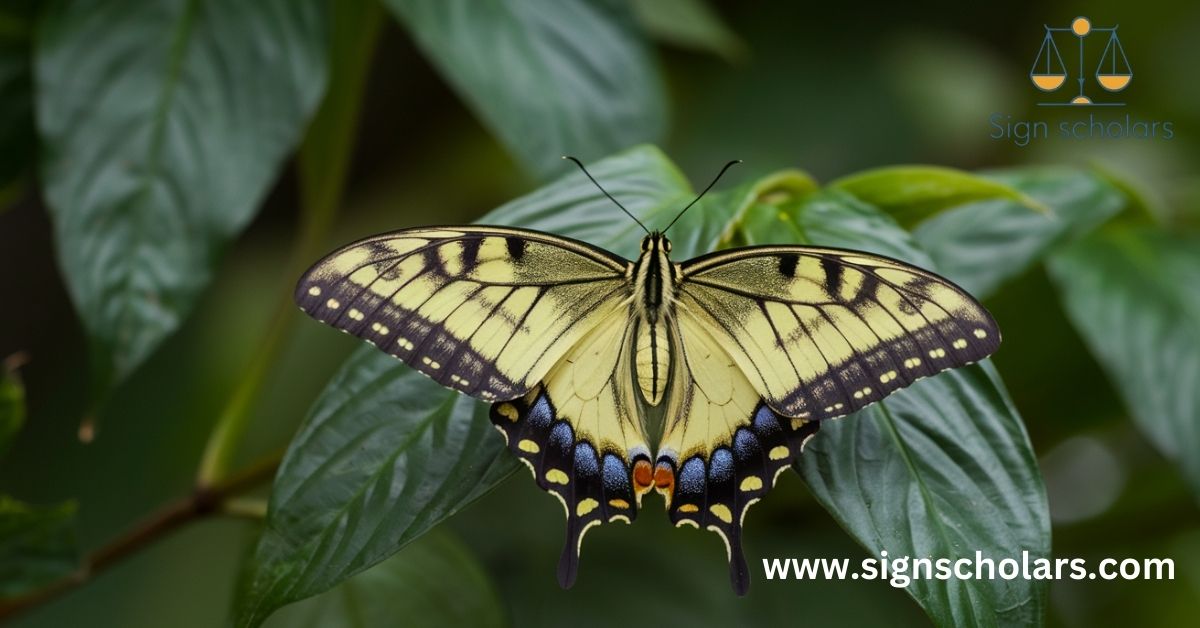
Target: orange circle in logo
(1081,26)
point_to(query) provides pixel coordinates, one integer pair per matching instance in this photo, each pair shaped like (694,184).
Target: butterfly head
(656,241)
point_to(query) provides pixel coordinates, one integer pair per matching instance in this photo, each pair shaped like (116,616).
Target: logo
(1081,65)
(1049,72)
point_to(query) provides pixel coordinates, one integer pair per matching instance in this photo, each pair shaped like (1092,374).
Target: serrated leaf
(435,581)
(1134,296)
(938,470)
(163,124)
(548,77)
(37,545)
(913,194)
(386,453)
(982,245)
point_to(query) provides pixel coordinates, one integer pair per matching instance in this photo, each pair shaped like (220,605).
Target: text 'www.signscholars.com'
(902,571)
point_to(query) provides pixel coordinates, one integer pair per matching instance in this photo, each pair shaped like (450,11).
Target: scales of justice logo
(1049,72)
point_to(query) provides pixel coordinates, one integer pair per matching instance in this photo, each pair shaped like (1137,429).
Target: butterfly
(744,352)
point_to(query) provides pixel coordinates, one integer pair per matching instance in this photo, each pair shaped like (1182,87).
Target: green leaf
(689,24)
(549,77)
(1134,296)
(913,194)
(163,124)
(12,406)
(386,453)
(941,469)
(435,581)
(37,545)
(727,218)
(984,244)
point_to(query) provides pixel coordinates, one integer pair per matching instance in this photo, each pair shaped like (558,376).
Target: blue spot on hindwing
(616,476)
(745,445)
(720,466)
(765,421)
(540,415)
(561,437)
(691,477)
(586,465)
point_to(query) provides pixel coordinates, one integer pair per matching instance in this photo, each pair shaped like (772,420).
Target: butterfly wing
(722,447)
(773,339)
(536,323)
(486,311)
(581,432)
(821,333)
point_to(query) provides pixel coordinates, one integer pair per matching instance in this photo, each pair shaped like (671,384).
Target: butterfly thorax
(654,282)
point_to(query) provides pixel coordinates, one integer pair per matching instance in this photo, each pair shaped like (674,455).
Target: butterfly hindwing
(486,311)
(723,447)
(581,432)
(821,333)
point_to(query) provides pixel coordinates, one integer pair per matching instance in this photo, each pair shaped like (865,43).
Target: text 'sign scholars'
(1090,127)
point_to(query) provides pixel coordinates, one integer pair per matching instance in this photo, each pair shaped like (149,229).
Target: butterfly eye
(645,244)
(666,245)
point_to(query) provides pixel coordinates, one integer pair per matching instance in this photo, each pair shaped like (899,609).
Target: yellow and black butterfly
(745,350)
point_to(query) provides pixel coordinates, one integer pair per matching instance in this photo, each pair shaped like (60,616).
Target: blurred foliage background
(412,127)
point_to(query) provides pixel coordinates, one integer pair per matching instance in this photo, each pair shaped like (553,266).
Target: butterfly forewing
(485,311)
(821,333)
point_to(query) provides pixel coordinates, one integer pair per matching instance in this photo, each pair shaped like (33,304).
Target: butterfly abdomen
(653,357)
(654,282)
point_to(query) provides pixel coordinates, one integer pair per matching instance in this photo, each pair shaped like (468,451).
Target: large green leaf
(1134,296)
(939,470)
(37,545)
(981,245)
(549,77)
(386,453)
(911,194)
(432,582)
(163,123)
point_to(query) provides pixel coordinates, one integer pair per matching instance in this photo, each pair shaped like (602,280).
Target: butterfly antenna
(714,182)
(610,196)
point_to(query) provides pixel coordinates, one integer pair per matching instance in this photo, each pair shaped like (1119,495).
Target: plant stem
(323,163)
(235,418)
(199,505)
(245,508)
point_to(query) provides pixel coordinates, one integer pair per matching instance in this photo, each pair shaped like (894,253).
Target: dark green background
(832,88)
